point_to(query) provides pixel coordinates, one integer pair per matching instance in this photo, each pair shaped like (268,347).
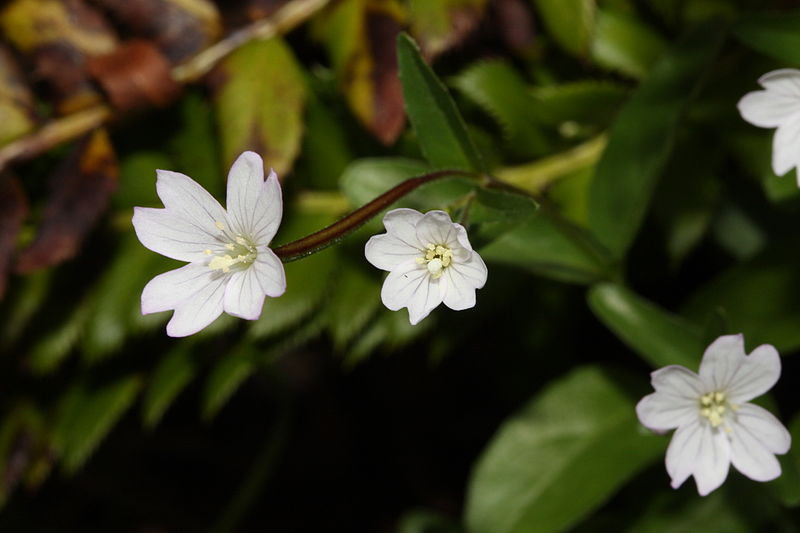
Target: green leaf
(364,179)
(355,299)
(787,486)
(496,212)
(425,521)
(568,450)
(776,34)
(86,415)
(226,378)
(740,291)
(176,369)
(497,87)
(673,514)
(195,147)
(642,138)
(260,105)
(52,347)
(440,130)
(659,337)
(623,43)
(571,23)
(551,247)
(582,101)
(117,292)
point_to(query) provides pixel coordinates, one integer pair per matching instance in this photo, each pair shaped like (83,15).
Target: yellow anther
(219,225)
(719,397)
(230,246)
(207,252)
(240,240)
(420,260)
(713,407)
(222,262)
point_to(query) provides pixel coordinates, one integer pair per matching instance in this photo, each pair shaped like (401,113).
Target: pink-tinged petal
(245,184)
(757,374)
(402,224)
(662,412)
(199,310)
(767,109)
(165,232)
(721,362)
(677,382)
(785,155)
(462,281)
(784,82)
(765,426)
(190,201)
(268,211)
(699,450)
(244,296)
(755,437)
(386,251)
(435,227)
(270,273)
(410,285)
(166,291)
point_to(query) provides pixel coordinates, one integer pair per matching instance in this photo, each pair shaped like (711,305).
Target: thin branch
(338,230)
(72,126)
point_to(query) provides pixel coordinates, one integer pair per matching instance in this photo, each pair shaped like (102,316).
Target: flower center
(238,251)
(713,406)
(437,258)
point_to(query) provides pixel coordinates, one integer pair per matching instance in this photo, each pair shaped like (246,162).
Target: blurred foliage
(627,215)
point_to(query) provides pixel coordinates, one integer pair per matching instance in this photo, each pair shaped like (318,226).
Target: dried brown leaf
(81,190)
(16,101)
(56,36)
(179,28)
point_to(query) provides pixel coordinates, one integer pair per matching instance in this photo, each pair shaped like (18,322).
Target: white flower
(429,260)
(230,267)
(715,424)
(777,106)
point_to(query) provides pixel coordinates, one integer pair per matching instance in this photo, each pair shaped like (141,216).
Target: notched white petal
(169,234)
(463,279)
(721,361)
(409,285)
(757,374)
(245,181)
(198,311)
(244,296)
(386,251)
(187,199)
(270,273)
(435,227)
(784,146)
(677,381)
(166,291)
(662,412)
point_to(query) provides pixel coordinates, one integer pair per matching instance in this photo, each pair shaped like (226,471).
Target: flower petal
(268,211)
(435,227)
(662,412)
(402,224)
(767,109)
(757,374)
(245,181)
(462,281)
(765,426)
(172,235)
(199,310)
(270,272)
(410,285)
(386,251)
(678,382)
(699,450)
(721,361)
(244,296)
(785,155)
(756,436)
(190,201)
(725,367)
(166,291)
(784,82)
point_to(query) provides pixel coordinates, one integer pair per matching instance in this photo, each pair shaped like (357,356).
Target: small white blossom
(429,260)
(777,106)
(230,267)
(715,425)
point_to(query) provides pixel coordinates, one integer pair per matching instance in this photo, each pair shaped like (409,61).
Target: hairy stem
(338,230)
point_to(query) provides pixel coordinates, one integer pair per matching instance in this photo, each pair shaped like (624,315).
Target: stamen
(436,257)
(713,406)
(219,225)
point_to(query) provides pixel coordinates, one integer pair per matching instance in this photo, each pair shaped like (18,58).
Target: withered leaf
(81,190)
(13,210)
(360,37)
(514,23)
(179,28)
(260,103)
(439,25)
(57,36)
(135,75)
(16,101)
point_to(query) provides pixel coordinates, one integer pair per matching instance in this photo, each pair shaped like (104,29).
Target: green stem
(338,230)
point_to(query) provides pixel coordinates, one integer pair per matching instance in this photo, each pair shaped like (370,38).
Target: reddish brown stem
(338,230)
